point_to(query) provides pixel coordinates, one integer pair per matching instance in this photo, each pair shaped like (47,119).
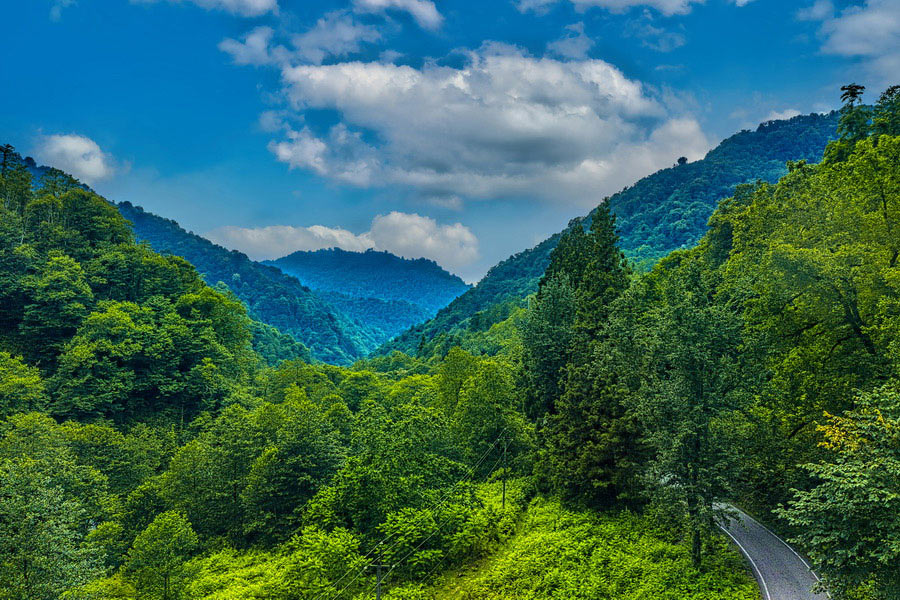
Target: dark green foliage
(114,329)
(274,346)
(508,282)
(270,296)
(385,318)
(849,518)
(372,274)
(659,213)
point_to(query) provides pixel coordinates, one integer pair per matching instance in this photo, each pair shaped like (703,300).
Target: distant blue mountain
(271,296)
(377,288)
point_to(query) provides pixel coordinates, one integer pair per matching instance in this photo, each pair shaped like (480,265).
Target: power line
(433,533)
(438,503)
(438,528)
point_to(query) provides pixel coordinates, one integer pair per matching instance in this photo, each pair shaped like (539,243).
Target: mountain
(372,274)
(361,300)
(380,289)
(270,295)
(660,213)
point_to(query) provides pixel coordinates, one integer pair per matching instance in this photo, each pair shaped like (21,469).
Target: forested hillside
(147,452)
(271,296)
(658,214)
(386,292)
(372,274)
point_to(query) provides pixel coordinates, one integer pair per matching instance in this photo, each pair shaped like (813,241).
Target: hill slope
(271,296)
(386,292)
(661,212)
(374,274)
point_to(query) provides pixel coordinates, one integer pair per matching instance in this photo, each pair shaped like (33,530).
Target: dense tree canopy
(156,442)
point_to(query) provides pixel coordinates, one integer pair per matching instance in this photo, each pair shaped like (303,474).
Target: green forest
(662,212)
(158,442)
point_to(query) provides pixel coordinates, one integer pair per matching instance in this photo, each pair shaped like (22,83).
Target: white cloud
(244,8)
(666,7)
(781,115)
(253,50)
(819,11)
(77,155)
(423,11)
(575,44)
(335,34)
(404,234)
(414,236)
(505,124)
(275,241)
(870,31)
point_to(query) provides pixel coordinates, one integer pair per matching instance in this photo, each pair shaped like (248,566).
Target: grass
(562,554)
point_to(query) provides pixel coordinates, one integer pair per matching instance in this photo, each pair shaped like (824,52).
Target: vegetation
(372,274)
(270,296)
(561,553)
(665,211)
(585,449)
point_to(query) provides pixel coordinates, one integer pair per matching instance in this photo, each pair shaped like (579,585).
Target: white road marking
(788,546)
(759,574)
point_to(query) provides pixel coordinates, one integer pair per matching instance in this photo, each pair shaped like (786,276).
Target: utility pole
(378,567)
(505,446)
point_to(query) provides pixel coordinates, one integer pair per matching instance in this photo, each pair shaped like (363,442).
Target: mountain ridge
(661,212)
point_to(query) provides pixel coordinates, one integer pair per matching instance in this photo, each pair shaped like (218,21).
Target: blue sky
(458,130)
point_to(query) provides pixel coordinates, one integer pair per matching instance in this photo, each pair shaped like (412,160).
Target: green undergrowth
(559,553)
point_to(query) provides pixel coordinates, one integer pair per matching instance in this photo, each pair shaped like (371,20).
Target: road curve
(781,572)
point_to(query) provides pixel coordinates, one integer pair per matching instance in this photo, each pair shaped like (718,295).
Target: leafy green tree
(688,362)
(848,520)
(301,457)
(812,262)
(606,272)
(886,118)
(156,560)
(21,386)
(590,450)
(59,298)
(452,373)
(488,417)
(43,551)
(547,343)
(207,475)
(855,123)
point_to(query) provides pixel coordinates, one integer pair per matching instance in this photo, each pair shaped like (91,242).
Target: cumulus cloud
(423,11)
(666,7)
(405,234)
(275,241)
(77,155)
(334,35)
(505,124)
(244,8)
(575,44)
(780,115)
(870,31)
(253,49)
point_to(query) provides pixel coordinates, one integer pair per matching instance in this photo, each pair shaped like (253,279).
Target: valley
(180,422)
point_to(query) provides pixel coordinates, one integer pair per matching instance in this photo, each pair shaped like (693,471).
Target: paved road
(782,573)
